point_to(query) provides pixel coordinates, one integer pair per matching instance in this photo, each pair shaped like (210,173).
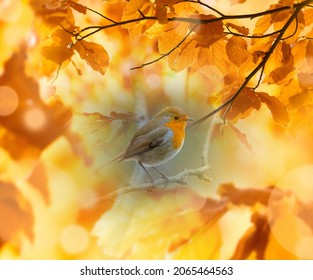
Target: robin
(157,141)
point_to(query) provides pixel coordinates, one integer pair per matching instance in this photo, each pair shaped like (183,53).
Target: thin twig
(168,53)
(101,15)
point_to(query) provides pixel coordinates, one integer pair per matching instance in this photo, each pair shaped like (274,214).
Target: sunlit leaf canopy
(78,77)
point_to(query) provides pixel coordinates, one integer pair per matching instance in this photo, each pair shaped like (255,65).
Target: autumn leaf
(237,50)
(77,7)
(241,29)
(277,108)
(208,34)
(243,104)
(94,54)
(184,56)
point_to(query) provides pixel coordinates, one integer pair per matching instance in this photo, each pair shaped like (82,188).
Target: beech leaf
(94,54)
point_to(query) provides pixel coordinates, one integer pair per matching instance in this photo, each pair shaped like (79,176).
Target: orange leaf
(243,104)
(215,56)
(183,56)
(57,51)
(277,108)
(94,54)
(161,14)
(241,29)
(170,39)
(208,34)
(236,50)
(78,7)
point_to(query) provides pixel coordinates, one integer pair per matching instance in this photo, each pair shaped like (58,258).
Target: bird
(157,141)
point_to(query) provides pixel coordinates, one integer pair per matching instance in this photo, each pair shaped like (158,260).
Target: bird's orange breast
(178,129)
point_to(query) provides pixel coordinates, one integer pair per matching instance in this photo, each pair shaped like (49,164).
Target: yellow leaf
(94,54)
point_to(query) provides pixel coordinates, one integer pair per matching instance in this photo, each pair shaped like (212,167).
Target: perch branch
(179,179)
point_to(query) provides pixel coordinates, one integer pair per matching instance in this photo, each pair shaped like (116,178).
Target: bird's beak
(188,119)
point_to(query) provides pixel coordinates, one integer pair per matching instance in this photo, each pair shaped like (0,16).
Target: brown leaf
(248,196)
(94,54)
(15,213)
(77,7)
(277,108)
(254,240)
(38,179)
(241,29)
(237,50)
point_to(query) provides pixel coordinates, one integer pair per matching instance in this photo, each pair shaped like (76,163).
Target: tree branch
(179,179)
(78,35)
(258,67)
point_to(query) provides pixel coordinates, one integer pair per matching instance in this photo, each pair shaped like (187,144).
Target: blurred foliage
(69,103)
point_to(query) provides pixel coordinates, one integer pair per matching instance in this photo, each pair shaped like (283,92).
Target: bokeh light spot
(153,81)
(74,239)
(35,118)
(8,100)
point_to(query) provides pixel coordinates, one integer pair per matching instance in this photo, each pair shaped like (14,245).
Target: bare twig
(179,179)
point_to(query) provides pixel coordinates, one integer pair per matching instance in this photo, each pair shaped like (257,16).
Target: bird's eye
(176,118)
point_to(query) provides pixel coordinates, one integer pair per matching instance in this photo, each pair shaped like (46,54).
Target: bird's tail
(117,158)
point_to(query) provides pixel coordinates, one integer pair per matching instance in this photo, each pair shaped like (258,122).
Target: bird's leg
(152,181)
(166,179)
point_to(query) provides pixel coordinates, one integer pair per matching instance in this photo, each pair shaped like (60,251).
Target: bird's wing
(143,143)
